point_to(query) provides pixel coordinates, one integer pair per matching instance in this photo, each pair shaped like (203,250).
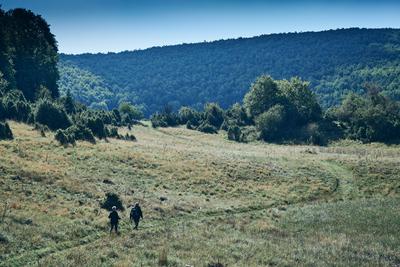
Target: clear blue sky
(116,25)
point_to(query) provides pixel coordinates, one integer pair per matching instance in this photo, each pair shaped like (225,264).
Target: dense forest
(335,62)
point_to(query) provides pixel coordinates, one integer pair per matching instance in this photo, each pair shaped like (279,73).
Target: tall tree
(263,94)
(6,67)
(300,100)
(35,53)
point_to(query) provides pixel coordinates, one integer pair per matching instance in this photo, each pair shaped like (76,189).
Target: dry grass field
(226,203)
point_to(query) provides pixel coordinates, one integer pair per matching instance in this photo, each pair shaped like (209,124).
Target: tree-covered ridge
(221,71)
(86,87)
(354,78)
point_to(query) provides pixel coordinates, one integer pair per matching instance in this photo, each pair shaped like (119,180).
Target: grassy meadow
(227,203)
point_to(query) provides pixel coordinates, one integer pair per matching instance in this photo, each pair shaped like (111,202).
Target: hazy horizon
(101,26)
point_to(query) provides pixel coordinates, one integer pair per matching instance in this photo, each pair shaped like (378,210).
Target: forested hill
(334,61)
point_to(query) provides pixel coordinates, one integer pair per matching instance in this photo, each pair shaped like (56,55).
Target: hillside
(238,204)
(335,61)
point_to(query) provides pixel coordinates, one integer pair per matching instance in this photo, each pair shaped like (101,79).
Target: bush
(249,134)
(130,137)
(24,111)
(96,125)
(263,94)
(207,128)
(2,111)
(270,123)
(214,115)
(68,103)
(81,132)
(190,115)
(127,137)
(51,115)
(112,132)
(111,200)
(74,133)
(64,138)
(116,117)
(158,120)
(166,118)
(130,112)
(225,125)
(16,107)
(314,135)
(5,131)
(301,102)
(237,114)
(369,118)
(234,133)
(190,126)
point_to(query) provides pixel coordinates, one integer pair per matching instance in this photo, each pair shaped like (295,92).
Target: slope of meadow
(236,204)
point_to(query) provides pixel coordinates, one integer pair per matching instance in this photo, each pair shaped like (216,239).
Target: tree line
(335,62)
(287,111)
(29,91)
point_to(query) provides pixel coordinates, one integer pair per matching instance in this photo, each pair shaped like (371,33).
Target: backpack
(134,212)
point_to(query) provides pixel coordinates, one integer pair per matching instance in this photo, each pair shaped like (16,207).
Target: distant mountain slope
(335,62)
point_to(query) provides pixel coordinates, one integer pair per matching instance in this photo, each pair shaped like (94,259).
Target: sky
(94,26)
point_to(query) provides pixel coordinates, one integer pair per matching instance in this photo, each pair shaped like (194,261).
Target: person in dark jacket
(136,215)
(114,219)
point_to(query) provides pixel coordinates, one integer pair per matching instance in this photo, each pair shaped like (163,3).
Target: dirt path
(345,184)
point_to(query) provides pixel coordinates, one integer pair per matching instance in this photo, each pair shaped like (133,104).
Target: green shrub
(112,132)
(190,126)
(81,132)
(270,123)
(111,200)
(158,120)
(237,114)
(68,103)
(64,138)
(4,239)
(24,111)
(263,94)
(369,118)
(190,115)
(5,131)
(249,134)
(129,137)
(116,117)
(164,119)
(314,135)
(16,107)
(96,125)
(225,125)
(2,111)
(51,115)
(235,133)
(130,112)
(213,115)
(207,128)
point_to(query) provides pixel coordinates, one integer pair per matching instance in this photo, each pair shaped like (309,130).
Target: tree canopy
(28,53)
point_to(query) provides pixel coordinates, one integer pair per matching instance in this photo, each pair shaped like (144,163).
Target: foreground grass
(237,204)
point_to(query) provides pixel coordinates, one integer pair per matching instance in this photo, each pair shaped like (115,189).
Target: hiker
(136,214)
(114,218)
